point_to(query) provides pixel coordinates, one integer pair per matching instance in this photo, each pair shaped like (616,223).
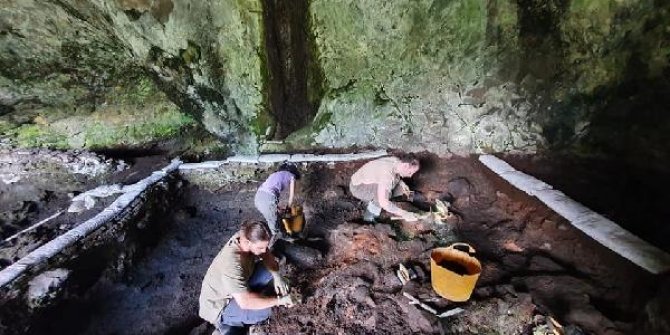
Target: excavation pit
(142,274)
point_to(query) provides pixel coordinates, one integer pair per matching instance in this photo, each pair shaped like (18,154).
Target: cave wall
(445,76)
(421,75)
(483,76)
(98,74)
(67,82)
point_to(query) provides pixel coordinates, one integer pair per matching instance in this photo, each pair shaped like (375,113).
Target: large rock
(44,287)
(473,76)
(54,170)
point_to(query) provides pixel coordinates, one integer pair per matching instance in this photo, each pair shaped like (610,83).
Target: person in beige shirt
(231,297)
(377,181)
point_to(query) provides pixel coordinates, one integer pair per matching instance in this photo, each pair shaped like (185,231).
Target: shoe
(372,212)
(368,217)
(233,330)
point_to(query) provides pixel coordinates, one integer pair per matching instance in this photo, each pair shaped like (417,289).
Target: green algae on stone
(239,39)
(261,123)
(95,44)
(439,75)
(37,136)
(133,113)
(191,54)
(592,34)
(136,130)
(606,44)
(102,132)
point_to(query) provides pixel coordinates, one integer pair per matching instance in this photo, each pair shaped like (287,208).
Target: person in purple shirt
(267,196)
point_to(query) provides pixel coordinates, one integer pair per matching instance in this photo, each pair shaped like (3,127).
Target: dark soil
(534,264)
(634,196)
(160,295)
(34,199)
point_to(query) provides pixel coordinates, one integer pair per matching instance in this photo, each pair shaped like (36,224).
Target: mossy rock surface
(460,77)
(420,75)
(105,74)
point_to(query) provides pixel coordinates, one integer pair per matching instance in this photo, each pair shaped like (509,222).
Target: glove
(287,300)
(405,189)
(410,217)
(281,286)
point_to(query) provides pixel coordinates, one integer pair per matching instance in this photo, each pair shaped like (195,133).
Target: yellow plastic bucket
(454,271)
(295,221)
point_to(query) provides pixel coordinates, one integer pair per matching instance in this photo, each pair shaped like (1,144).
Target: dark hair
(255,231)
(409,158)
(290,167)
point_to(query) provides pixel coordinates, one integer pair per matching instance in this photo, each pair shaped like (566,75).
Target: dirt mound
(356,290)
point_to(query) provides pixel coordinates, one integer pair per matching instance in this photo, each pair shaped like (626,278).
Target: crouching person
(233,294)
(377,181)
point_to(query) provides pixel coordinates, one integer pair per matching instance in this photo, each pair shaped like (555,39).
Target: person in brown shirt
(377,181)
(231,297)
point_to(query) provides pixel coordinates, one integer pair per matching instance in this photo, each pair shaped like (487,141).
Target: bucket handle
(287,225)
(465,247)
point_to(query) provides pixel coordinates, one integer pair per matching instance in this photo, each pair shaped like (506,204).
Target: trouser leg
(234,315)
(266,203)
(260,278)
(368,194)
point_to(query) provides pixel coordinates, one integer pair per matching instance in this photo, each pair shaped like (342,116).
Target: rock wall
(420,75)
(445,76)
(100,74)
(480,76)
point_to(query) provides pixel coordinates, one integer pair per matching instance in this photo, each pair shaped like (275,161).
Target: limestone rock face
(65,171)
(445,76)
(124,72)
(475,76)
(422,75)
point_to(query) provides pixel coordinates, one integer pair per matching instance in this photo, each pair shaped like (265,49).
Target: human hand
(405,189)
(287,300)
(281,285)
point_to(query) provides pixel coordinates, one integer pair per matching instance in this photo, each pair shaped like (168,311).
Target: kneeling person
(231,296)
(377,181)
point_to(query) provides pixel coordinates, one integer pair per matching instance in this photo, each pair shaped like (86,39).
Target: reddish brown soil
(634,196)
(534,263)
